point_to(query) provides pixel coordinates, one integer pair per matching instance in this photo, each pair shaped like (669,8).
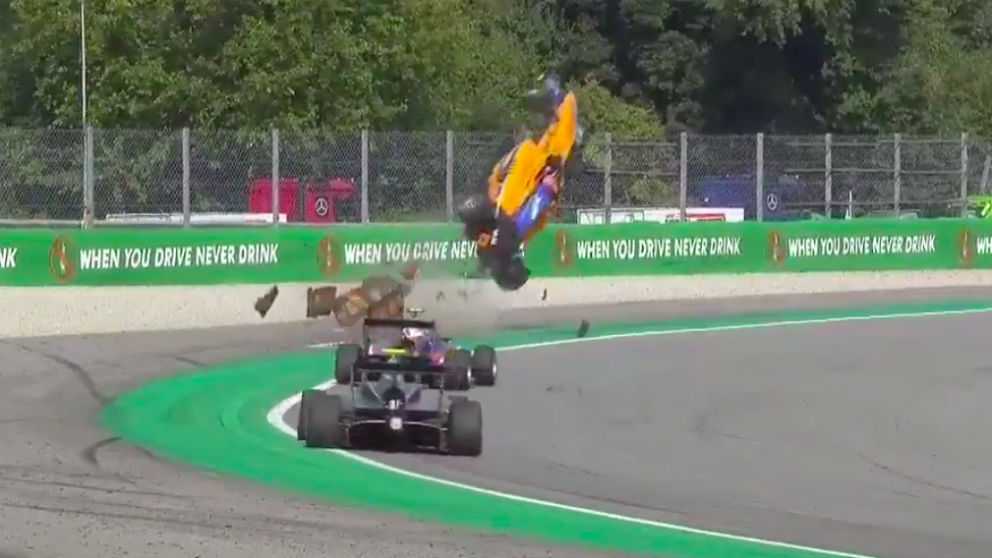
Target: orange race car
(524,187)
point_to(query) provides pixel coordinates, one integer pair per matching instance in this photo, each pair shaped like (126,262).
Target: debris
(583,328)
(411,271)
(544,295)
(349,308)
(264,303)
(440,296)
(320,300)
(379,296)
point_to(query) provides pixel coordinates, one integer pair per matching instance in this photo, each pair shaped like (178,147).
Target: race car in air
(524,188)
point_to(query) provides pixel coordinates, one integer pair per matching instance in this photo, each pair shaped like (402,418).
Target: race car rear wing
(412,366)
(416,374)
(399,323)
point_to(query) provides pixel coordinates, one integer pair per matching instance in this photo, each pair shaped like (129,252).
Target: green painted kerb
(217,420)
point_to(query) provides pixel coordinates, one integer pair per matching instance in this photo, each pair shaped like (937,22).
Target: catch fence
(97,177)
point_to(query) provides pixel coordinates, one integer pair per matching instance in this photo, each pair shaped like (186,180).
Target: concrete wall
(32,311)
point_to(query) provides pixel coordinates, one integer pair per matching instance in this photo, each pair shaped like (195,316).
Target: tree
(293,63)
(735,65)
(941,83)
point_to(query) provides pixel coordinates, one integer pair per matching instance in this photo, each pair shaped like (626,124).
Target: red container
(260,197)
(318,204)
(321,201)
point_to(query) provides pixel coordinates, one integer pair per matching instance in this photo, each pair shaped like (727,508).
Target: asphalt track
(865,437)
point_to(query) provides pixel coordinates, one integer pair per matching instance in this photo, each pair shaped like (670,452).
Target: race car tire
(458,376)
(511,275)
(465,428)
(323,421)
(344,363)
(484,368)
(301,424)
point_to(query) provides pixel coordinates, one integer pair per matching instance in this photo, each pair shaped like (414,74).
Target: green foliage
(602,113)
(322,70)
(713,65)
(291,63)
(634,132)
(941,83)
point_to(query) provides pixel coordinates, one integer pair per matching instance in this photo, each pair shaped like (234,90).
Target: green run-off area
(169,256)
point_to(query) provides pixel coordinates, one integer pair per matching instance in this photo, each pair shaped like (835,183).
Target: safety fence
(181,177)
(168,256)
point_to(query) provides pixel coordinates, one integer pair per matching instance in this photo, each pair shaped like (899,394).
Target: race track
(865,437)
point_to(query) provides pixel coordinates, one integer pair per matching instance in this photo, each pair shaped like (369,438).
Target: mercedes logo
(771,202)
(322,206)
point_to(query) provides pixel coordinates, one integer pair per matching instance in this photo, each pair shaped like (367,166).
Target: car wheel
(465,428)
(511,275)
(484,365)
(301,423)
(458,376)
(344,363)
(323,422)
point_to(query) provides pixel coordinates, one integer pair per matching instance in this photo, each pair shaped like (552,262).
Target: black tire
(301,424)
(458,376)
(344,363)
(465,428)
(323,422)
(511,275)
(484,367)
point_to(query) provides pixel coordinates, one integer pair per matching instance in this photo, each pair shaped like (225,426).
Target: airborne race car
(523,189)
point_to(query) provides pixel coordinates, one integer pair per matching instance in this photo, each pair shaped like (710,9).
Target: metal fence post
(186,165)
(964,173)
(984,187)
(365,176)
(449,174)
(897,171)
(89,205)
(828,176)
(275,177)
(608,179)
(683,173)
(759,177)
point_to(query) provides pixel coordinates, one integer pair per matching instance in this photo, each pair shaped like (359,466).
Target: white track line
(276,414)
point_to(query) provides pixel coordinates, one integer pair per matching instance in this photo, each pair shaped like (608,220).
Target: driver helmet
(415,336)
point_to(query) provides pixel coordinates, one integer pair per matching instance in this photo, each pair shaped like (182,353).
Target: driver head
(413,333)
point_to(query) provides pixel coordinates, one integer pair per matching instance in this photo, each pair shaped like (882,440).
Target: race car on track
(417,341)
(524,188)
(396,395)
